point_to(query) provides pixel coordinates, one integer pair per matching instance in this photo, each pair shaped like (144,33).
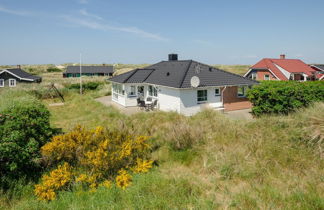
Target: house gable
(283,68)
(19,75)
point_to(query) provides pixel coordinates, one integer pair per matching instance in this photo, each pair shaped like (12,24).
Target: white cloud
(84,12)
(14,12)
(105,27)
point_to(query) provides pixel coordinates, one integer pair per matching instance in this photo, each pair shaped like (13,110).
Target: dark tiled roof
(90,69)
(22,74)
(319,66)
(178,74)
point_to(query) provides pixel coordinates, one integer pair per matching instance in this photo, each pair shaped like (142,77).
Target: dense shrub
(92,158)
(85,86)
(284,96)
(53,69)
(24,129)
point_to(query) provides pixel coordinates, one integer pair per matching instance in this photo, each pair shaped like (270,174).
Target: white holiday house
(184,86)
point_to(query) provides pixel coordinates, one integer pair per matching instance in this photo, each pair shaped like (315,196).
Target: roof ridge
(184,76)
(224,71)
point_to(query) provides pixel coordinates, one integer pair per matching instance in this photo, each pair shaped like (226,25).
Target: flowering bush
(93,158)
(56,180)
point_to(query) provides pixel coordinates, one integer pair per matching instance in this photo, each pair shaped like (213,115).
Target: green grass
(148,191)
(203,162)
(266,163)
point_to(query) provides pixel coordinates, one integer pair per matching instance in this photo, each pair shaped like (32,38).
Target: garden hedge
(24,129)
(282,97)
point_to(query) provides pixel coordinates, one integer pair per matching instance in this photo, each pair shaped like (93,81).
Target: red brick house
(319,68)
(281,69)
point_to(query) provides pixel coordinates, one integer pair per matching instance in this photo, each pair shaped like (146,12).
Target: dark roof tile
(22,74)
(90,69)
(178,74)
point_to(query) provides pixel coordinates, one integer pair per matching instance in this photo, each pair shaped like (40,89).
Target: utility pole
(80,76)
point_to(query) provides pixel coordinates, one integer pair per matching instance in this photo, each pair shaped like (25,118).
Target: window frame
(2,83)
(254,75)
(132,93)
(243,95)
(204,98)
(219,92)
(152,91)
(15,82)
(118,89)
(264,77)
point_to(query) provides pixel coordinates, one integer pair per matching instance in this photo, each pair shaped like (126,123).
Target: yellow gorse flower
(97,153)
(106,184)
(142,166)
(56,180)
(123,180)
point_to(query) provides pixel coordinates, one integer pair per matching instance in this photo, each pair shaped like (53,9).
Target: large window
(266,77)
(254,75)
(118,88)
(241,91)
(201,96)
(1,82)
(132,90)
(12,83)
(152,91)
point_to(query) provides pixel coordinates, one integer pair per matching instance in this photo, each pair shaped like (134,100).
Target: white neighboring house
(183,86)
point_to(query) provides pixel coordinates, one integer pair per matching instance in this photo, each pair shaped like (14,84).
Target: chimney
(18,67)
(282,56)
(173,57)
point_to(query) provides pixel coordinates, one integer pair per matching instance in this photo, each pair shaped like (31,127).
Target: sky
(146,31)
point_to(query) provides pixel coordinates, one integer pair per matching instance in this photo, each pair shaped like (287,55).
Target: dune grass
(236,69)
(207,161)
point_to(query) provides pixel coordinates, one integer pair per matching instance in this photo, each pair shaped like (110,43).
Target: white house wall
(189,105)
(183,101)
(121,99)
(130,100)
(169,99)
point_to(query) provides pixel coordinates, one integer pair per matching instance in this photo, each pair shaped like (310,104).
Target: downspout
(223,95)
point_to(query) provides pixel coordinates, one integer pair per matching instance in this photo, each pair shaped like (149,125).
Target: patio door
(140,91)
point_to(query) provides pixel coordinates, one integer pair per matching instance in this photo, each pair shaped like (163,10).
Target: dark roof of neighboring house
(90,69)
(178,74)
(22,74)
(318,66)
(290,65)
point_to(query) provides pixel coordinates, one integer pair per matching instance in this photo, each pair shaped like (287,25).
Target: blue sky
(145,31)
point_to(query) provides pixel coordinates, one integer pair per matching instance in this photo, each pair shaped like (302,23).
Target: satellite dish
(194,81)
